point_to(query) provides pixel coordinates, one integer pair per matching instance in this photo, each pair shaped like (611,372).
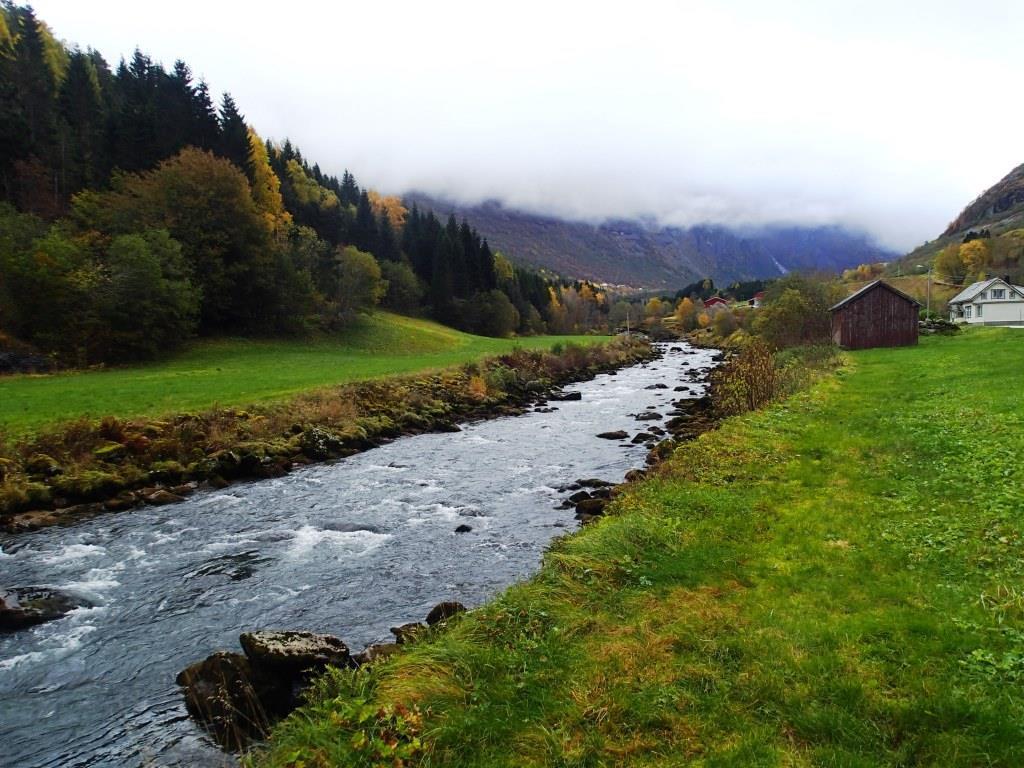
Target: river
(349,548)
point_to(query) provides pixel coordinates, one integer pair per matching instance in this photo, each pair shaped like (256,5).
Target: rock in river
(618,434)
(20,608)
(649,416)
(566,396)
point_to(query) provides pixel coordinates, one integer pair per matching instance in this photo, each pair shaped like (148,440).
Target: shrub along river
(350,548)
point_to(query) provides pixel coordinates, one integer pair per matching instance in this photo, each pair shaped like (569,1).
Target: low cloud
(880,119)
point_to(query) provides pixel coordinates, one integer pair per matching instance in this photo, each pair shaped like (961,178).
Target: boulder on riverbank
(277,653)
(407,634)
(237,697)
(592,507)
(444,611)
(220,694)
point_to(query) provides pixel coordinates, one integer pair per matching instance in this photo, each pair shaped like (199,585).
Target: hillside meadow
(833,581)
(240,372)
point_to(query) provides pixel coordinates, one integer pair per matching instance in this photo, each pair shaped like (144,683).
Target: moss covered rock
(110,452)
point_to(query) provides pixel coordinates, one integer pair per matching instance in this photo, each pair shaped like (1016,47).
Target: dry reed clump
(747,382)
(757,375)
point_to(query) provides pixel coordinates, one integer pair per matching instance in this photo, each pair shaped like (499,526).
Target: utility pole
(929,291)
(928,309)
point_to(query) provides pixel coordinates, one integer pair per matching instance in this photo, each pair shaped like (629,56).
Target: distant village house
(989,302)
(715,303)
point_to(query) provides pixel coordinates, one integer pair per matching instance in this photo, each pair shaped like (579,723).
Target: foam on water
(55,647)
(95,583)
(72,552)
(219,498)
(309,537)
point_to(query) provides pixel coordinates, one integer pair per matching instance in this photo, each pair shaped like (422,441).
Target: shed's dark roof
(870,287)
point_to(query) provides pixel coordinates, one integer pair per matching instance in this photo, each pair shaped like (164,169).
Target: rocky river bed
(351,549)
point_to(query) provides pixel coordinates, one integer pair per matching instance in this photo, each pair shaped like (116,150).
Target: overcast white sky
(884,115)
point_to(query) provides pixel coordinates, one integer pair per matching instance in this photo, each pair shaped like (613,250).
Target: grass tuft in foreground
(834,581)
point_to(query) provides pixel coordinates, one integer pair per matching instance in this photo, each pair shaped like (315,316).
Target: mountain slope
(635,253)
(997,214)
(1001,202)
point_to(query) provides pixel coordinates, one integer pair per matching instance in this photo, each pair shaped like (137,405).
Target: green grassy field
(835,581)
(238,372)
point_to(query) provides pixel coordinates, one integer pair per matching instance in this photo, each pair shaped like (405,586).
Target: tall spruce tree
(13,126)
(349,189)
(205,126)
(82,125)
(364,228)
(387,242)
(37,86)
(234,135)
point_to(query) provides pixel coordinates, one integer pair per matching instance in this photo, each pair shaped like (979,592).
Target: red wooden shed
(877,315)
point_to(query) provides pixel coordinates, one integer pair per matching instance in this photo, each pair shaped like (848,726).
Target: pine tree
(82,125)
(131,143)
(364,228)
(234,135)
(442,278)
(387,243)
(205,127)
(13,125)
(349,190)
(175,127)
(488,276)
(37,86)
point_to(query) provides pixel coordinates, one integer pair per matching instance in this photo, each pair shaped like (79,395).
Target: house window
(967,311)
(980,307)
(998,293)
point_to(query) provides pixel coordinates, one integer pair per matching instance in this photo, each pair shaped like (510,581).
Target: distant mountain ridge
(634,253)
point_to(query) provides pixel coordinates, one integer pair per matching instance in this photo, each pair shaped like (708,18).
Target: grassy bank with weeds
(832,581)
(86,467)
(243,372)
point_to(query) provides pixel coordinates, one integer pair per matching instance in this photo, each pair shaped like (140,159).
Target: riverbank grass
(833,581)
(242,372)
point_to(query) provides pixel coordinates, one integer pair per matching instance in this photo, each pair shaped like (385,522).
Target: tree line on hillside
(982,254)
(134,214)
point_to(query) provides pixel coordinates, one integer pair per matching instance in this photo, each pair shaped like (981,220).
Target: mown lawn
(238,372)
(836,581)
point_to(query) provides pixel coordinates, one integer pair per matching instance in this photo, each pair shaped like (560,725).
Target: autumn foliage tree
(204,202)
(975,256)
(796,312)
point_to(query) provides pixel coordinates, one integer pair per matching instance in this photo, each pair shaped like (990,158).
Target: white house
(990,302)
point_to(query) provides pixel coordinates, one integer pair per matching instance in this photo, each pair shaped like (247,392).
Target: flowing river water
(349,548)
